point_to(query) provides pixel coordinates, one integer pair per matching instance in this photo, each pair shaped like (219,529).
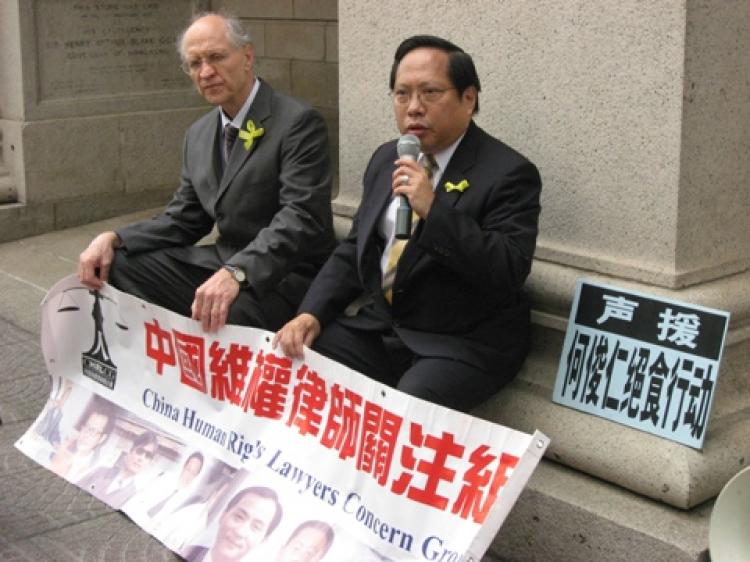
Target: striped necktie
(397,248)
(230,136)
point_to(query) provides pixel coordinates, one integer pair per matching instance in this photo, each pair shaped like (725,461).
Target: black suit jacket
(457,291)
(271,206)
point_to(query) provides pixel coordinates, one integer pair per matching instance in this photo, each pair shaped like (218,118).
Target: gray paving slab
(43,517)
(11,459)
(23,397)
(10,334)
(36,502)
(112,537)
(12,551)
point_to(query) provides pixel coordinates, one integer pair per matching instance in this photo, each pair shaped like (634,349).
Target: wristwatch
(238,274)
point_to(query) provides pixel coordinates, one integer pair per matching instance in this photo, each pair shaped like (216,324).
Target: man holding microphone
(441,315)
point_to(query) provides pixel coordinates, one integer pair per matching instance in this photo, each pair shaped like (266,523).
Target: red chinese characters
(229,369)
(266,394)
(342,426)
(430,469)
(433,466)
(482,483)
(310,399)
(159,346)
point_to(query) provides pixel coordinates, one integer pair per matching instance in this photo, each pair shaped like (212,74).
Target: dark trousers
(164,278)
(384,357)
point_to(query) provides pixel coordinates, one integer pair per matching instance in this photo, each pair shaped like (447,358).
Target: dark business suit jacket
(271,206)
(457,291)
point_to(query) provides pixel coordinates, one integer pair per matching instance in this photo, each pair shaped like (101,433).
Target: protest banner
(218,441)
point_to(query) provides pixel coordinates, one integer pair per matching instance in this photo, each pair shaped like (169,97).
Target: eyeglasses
(142,451)
(193,65)
(403,96)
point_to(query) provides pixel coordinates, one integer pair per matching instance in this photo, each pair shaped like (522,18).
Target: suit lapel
(208,137)
(458,166)
(461,162)
(259,113)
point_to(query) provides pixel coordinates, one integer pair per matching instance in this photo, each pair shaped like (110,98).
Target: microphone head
(408,146)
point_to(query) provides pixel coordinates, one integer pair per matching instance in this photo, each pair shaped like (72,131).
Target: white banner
(222,447)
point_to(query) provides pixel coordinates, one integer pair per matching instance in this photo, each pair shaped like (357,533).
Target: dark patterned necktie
(230,136)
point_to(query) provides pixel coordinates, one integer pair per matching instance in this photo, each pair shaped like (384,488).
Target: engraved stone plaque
(103,48)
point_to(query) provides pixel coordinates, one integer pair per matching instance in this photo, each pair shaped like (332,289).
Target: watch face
(236,272)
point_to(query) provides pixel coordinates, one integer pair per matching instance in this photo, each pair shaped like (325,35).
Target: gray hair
(237,35)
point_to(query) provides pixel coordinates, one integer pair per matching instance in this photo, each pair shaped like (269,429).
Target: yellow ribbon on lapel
(250,134)
(461,186)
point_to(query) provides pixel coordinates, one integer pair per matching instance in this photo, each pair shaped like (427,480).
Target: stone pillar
(636,115)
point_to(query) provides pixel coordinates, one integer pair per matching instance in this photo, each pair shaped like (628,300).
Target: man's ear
(249,55)
(469,98)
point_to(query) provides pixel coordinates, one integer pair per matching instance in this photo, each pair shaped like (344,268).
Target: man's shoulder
(492,149)
(385,152)
(206,120)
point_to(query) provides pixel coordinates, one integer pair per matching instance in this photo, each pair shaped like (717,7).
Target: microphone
(408,148)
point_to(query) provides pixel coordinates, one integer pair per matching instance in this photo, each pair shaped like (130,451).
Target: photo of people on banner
(222,448)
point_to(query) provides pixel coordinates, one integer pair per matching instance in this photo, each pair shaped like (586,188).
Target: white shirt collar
(442,158)
(239,118)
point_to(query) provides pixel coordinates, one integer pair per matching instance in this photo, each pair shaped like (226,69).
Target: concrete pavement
(42,517)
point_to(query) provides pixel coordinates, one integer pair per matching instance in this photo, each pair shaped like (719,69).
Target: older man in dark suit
(257,168)
(442,317)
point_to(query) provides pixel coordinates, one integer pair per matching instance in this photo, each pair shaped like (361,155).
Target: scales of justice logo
(96,363)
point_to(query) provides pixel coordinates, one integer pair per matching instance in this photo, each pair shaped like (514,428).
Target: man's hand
(417,188)
(213,299)
(299,331)
(95,261)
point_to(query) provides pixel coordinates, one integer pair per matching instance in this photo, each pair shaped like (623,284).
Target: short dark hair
(318,526)
(261,492)
(144,439)
(461,70)
(99,408)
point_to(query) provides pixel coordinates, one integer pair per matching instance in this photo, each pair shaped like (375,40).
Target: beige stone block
(257,8)
(151,155)
(332,43)
(257,30)
(316,82)
(277,72)
(72,157)
(301,41)
(316,9)
(566,516)
(22,220)
(76,211)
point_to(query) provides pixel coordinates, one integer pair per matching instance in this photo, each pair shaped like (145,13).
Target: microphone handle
(403,218)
